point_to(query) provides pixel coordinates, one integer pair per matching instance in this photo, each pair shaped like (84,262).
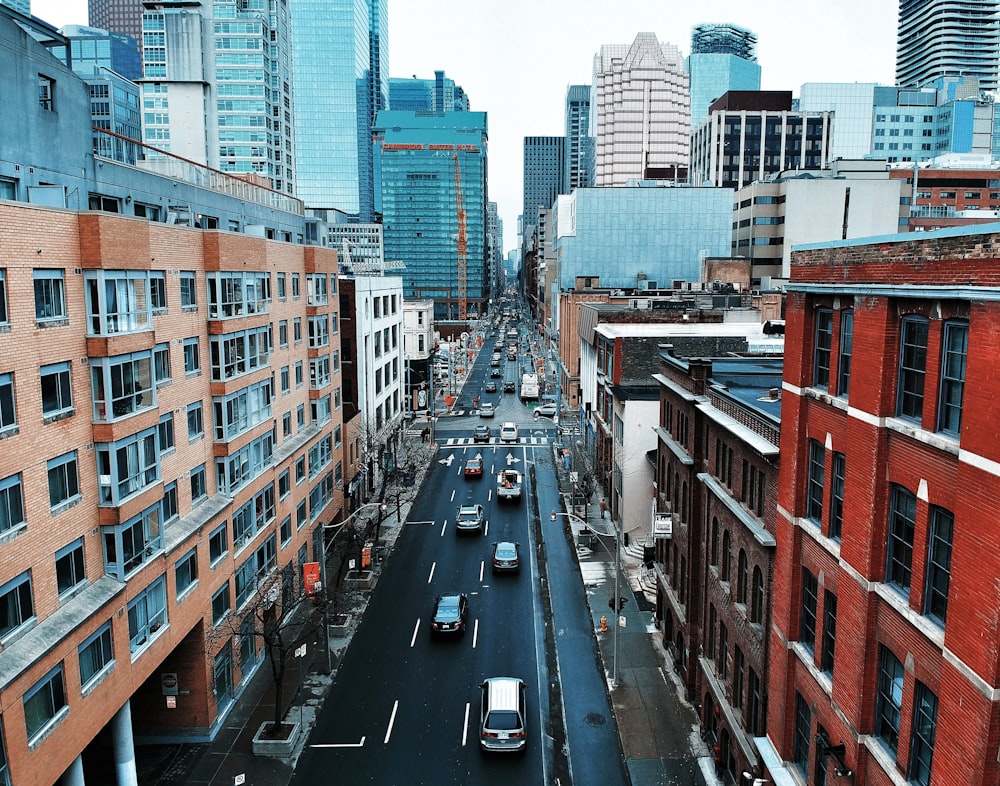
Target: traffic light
(621,603)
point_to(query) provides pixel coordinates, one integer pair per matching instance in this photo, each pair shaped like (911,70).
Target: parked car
(473,467)
(508,432)
(506,556)
(451,612)
(491,387)
(481,434)
(486,410)
(469,519)
(503,717)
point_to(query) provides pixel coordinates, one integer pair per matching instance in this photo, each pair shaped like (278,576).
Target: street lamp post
(618,577)
(338,528)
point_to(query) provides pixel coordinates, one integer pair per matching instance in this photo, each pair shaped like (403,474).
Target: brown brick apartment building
(167,435)
(885,654)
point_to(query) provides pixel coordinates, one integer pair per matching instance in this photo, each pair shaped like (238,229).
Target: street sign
(171,702)
(621,621)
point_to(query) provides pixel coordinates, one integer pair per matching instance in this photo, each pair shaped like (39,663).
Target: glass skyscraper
(723,58)
(938,38)
(543,173)
(579,157)
(341,81)
(421,161)
(439,94)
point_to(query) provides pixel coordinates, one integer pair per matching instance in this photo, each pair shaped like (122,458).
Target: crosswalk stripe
(458,442)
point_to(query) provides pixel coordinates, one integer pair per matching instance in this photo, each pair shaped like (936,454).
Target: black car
(491,387)
(451,612)
(495,373)
(509,386)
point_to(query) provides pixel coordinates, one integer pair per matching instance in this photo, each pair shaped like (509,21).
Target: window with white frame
(319,331)
(129,546)
(122,385)
(161,364)
(57,389)
(118,301)
(165,432)
(241,352)
(50,296)
(221,603)
(241,411)
(218,543)
(253,517)
(237,294)
(147,614)
(158,291)
(316,289)
(319,372)
(195,421)
(189,290)
(241,466)
(199,483)
(128,466)
(8,411)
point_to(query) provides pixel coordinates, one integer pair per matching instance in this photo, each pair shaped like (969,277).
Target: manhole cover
(595,719)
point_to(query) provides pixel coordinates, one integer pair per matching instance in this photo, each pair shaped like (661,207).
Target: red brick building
(167,453)
(884,650)
(716,471)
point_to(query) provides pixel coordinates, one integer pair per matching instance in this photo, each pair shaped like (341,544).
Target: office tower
(423,162)
(750,135)
(340,47)
(21,6)
(119,16)
(939,38)
(723,58)
(642,117)
(543,173)
(217,86)
(851,104)
(579,152)
(92,49)
(439,94)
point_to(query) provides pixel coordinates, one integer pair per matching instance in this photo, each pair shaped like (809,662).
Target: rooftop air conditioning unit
(640,302)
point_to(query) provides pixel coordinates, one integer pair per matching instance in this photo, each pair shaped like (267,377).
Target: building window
(129,546)
(147,614)
(800,744)
(283,333)
(46,98)
(221,603)
(63,479)
(902,520)
(44,703)
(195,421)
(807,624)
(186,572)
(189,290)
(170,511)
(50,295)
(16,606)
(70,571)
(199,487)
(889,698)
(286,385)
(837,495)
(284,485)
(128,466)
(300,514)
(192,359)
(757,596)
(722,664)
(57,389)
(725,557)
(912,368)
(742,577)
(295,285)
(263,560)
(11,503)
(8,412)
(739,666)
(846,349)
(281,287)
(755,702)
(218,543)
(829,631)
(297,330)
(823,341)
(955,344)
(286,424)
(161,364)
(165,432)
(286,530)
(96,654)
(814,487)
(925,707)
(942,527)
(158,292)
(300,469)
(299,378)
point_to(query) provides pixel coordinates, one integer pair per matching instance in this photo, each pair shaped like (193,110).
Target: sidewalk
(659,729)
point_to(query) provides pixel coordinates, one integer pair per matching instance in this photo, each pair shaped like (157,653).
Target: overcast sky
(515,58)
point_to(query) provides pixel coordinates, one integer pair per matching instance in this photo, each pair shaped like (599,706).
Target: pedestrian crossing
(459,442)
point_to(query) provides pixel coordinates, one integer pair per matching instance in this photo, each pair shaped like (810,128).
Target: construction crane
(463,239)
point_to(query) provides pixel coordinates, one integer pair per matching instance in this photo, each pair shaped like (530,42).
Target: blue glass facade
(338,90)
(712,75)
(612,234)
(415,158)
(579,145)
(439,94)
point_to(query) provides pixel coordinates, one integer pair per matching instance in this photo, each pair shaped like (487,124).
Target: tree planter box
(264,745)
(358,579)
(340,624)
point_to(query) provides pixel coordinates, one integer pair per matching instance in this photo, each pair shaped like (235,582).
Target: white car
(548,409)
(486,410)
(508,432)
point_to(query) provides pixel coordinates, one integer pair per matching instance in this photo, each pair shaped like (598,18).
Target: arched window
(757,596)
(742,578)
(684,502)
(714,546)
(724,568)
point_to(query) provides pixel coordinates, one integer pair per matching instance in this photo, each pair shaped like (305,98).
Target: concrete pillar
(74,773)
(124,748)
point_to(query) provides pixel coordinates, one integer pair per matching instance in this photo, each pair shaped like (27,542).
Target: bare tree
(282,617)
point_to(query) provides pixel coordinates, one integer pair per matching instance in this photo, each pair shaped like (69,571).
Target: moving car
(548,409)
(509,386)
(451,611)
(508,432)
(486,410)
(491,387)
(503,718)
(473,467)
(469,519)
(506,556)
(481,434)
(495,373)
